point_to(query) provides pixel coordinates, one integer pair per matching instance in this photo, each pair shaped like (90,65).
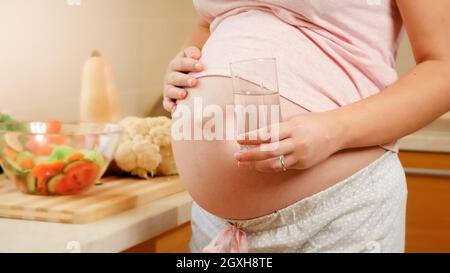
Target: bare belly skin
(214,180)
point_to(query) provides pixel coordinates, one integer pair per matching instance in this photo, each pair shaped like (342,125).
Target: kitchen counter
(433,138)
(123,231)
(113,234)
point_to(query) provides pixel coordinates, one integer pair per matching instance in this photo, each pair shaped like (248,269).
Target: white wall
(405,58)
(44,44)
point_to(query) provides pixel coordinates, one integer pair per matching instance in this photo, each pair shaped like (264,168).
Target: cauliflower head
(160,130)
(167,166)
(146,147)
(134,127)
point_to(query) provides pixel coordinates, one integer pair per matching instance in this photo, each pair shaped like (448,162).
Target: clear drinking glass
(256,95)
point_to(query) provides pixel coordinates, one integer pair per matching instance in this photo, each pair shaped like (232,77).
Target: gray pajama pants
(363,213)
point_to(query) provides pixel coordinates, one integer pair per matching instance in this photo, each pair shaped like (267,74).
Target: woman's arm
(408,105)
(187,60)
(199,35)
(416,99)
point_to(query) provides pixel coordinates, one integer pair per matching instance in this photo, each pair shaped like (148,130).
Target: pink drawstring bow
(237,243)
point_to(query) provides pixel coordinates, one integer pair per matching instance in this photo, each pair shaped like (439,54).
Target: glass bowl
(53,158)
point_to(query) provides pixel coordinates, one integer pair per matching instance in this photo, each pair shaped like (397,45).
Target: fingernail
(192,82)
(174,108)
(198,66)
(243,164)
(182,94)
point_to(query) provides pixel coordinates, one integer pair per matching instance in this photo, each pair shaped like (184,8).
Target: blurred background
(46,42)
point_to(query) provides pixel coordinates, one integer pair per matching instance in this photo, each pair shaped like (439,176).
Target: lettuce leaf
(61,153)
(7,123)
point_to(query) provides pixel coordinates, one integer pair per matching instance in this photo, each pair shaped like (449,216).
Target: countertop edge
(425,142)
(113,234)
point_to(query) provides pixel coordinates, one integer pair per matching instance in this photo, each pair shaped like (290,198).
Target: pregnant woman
(335,183)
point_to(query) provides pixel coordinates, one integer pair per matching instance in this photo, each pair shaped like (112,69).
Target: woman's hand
(303,142)
(177,78)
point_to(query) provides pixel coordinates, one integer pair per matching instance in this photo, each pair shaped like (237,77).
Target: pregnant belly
(214,180)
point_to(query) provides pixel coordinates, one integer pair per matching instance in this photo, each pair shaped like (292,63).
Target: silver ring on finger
(283,164)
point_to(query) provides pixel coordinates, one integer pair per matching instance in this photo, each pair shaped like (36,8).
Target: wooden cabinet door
(173,241)
(428,209)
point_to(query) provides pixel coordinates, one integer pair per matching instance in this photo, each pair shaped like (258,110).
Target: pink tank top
(329,53)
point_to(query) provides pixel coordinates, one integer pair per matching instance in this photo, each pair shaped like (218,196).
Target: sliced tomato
(78,178)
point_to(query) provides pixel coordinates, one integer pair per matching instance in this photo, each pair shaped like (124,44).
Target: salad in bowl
(54,158)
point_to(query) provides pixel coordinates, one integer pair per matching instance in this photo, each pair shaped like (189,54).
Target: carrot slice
(58,140)
(54,127)
(76,156)
(34,146)
(57,166)
(45,150)
(27,164)
(31,145)
(44,171)
(37,170)
(47,169)
(10,153)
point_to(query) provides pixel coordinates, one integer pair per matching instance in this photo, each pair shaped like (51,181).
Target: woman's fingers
(272,165)
(169,105)
(180,80)
(266,151)
(174,93)
(266,135)
(192,52)
(176,78)
(186,65)
(171,94)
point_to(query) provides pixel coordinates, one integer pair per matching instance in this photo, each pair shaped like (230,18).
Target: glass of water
(256,96)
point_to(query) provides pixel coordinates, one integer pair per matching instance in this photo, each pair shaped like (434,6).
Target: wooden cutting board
(114,196)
